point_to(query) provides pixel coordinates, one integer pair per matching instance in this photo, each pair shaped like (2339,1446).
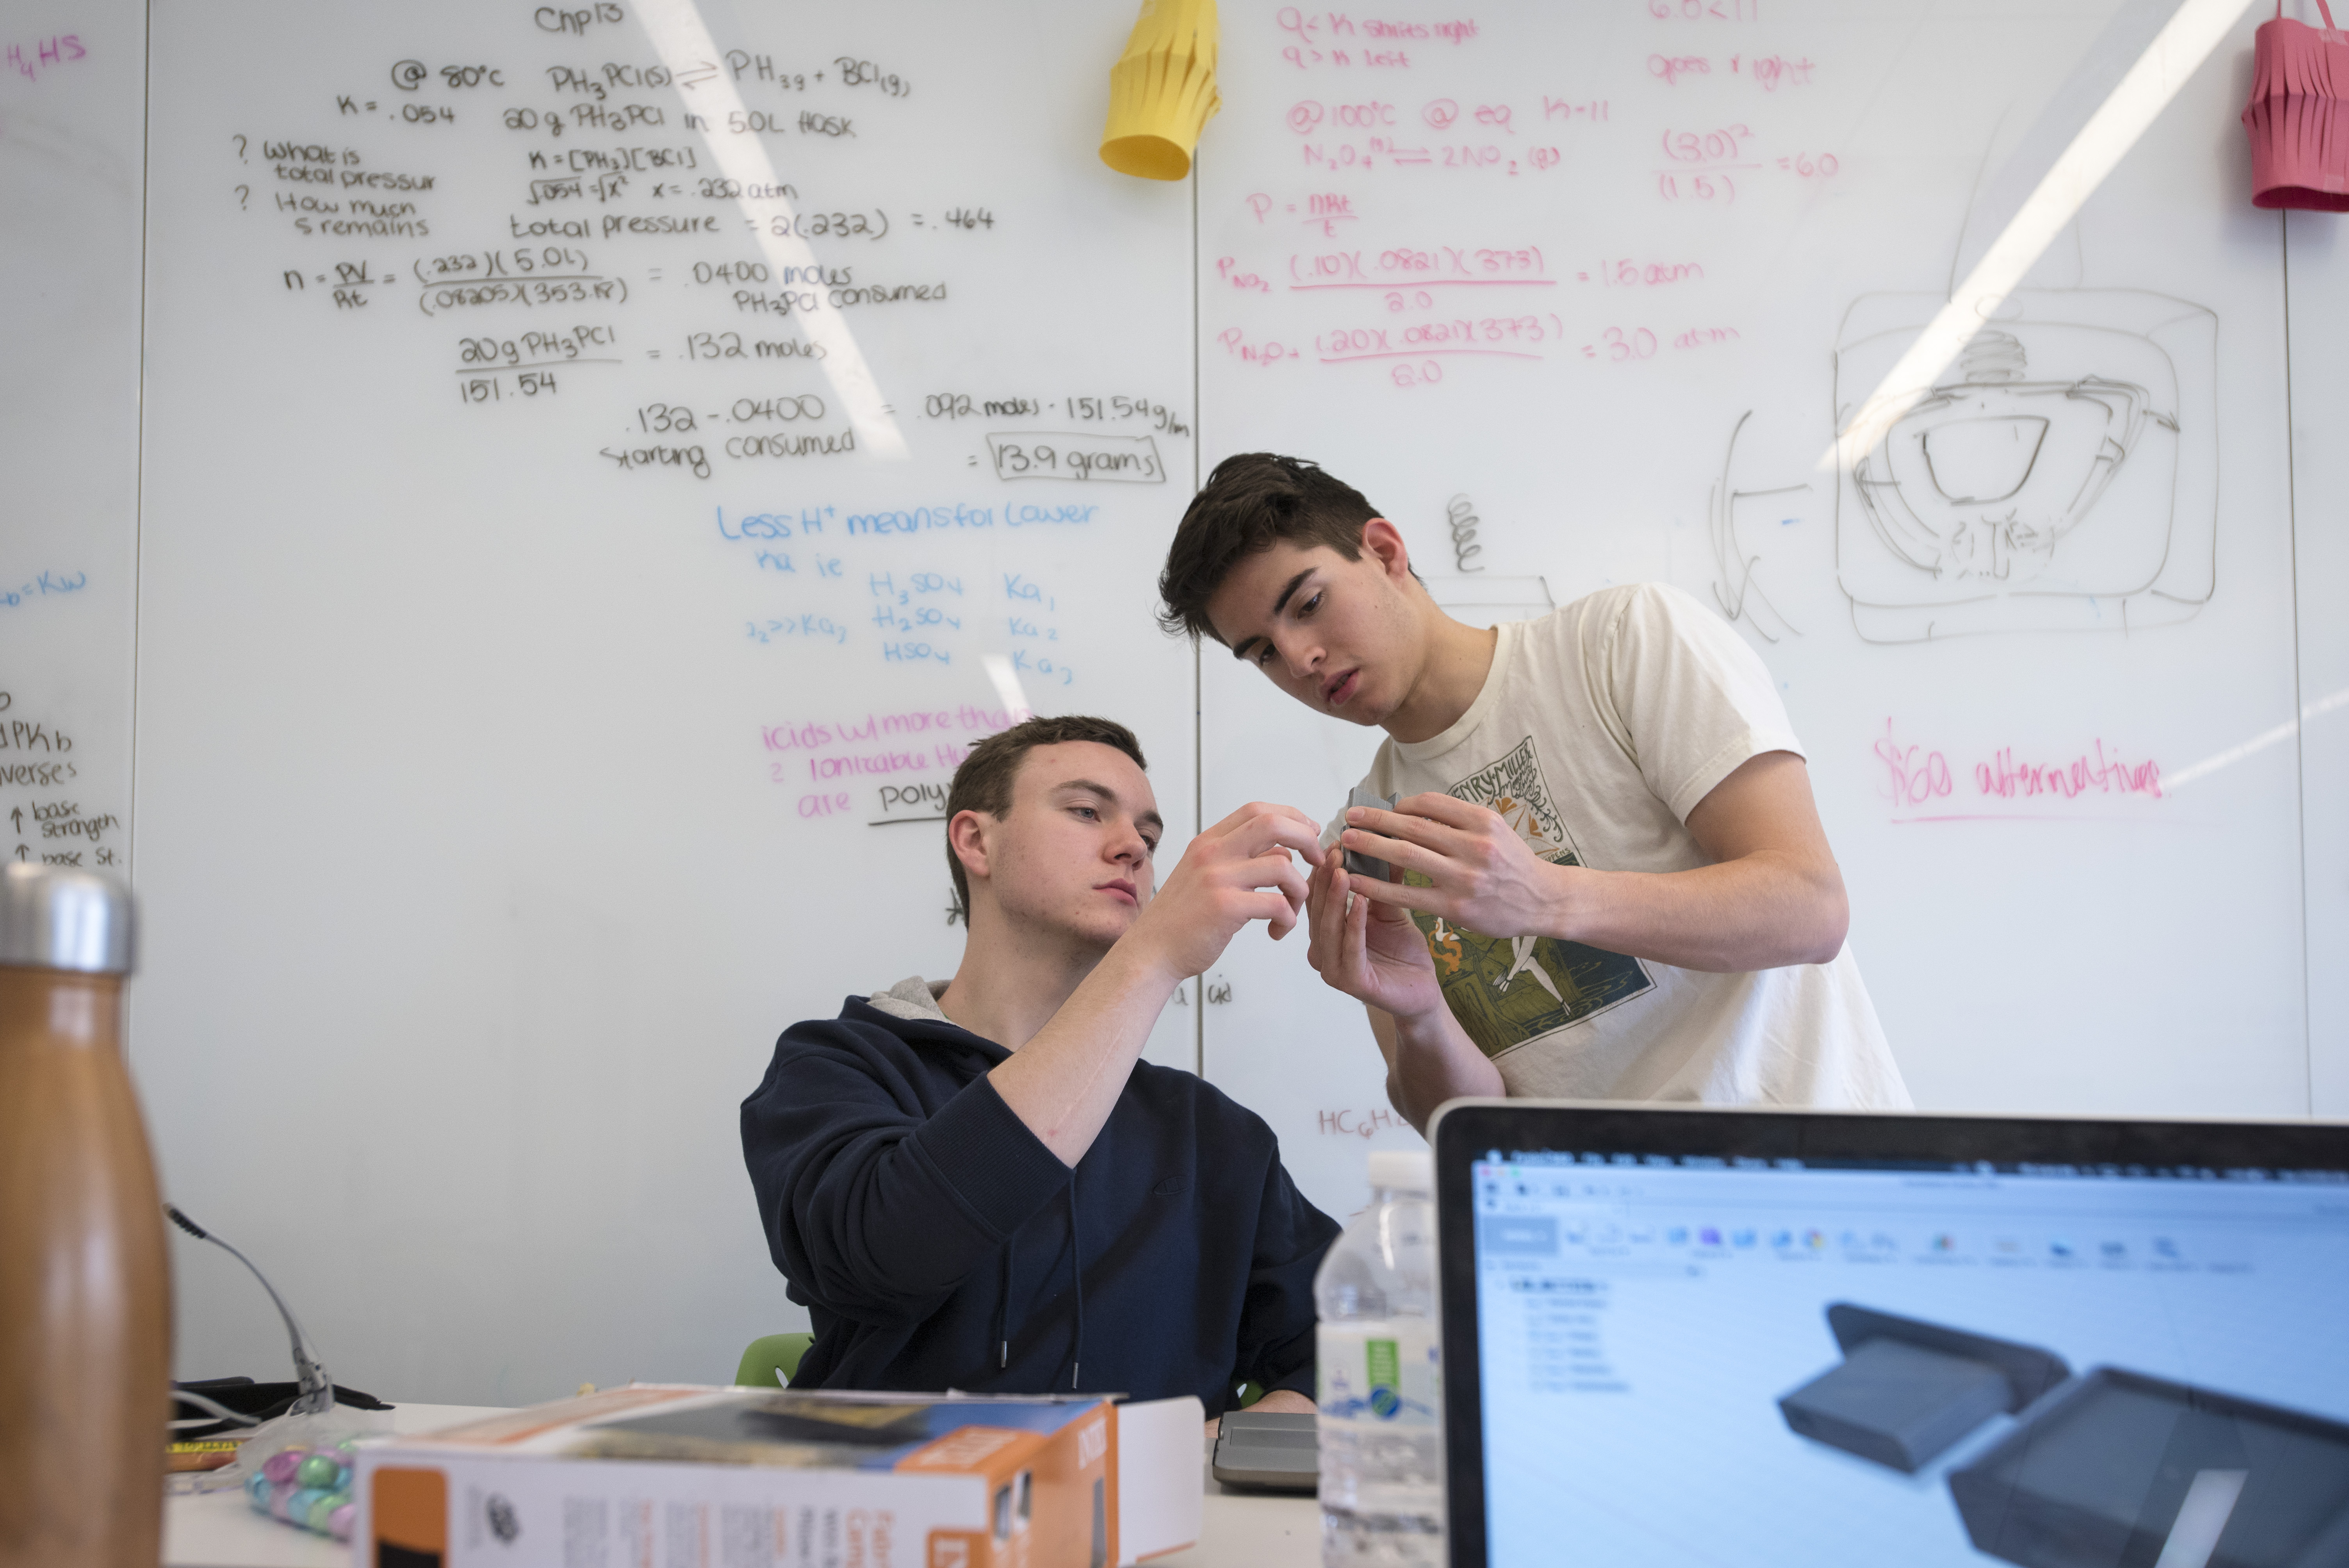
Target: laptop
(1699,1336)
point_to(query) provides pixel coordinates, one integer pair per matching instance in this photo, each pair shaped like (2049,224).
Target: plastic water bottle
(1380,1376)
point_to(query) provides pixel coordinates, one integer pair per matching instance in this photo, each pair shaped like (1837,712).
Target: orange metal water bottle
(85,1291)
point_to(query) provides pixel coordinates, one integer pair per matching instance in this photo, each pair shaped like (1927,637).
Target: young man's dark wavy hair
(983,782)
(1251,503)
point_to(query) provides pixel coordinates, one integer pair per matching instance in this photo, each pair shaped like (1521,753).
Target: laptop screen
(1707,1358)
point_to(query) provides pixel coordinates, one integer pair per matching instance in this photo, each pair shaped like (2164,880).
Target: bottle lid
(1403,1169)
(56,917)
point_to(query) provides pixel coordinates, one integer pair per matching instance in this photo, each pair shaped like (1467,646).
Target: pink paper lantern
(2299,114)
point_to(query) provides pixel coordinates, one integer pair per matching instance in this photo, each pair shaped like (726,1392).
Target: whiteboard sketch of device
(1737,521)
(2063,475)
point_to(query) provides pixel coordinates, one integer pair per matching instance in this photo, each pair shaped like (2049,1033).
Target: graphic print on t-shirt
(1507,990)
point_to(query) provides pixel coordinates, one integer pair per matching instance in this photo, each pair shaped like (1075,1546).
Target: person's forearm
(1431,1059)
(1761,910)
(1064,1082)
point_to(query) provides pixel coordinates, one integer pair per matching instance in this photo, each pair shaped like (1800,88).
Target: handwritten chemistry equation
(45,826)
(1405,282)
(1406,124)
(899,598)
(725,287)
(633,241)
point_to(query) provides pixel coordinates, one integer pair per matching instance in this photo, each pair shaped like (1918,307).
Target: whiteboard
(1580,296)
(522,744)
(2320,383)
(503,782)
(71,121)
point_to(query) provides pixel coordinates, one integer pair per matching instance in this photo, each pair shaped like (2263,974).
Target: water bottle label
(1390,1374)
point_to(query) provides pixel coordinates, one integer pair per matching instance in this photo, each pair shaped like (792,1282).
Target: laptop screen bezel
(1465,1130)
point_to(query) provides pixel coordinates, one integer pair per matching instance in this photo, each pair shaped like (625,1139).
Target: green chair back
(772,1360)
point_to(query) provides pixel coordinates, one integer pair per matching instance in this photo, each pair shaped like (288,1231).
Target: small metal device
(1268,1450)
(1356,864)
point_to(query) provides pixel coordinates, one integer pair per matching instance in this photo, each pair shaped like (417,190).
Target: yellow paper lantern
(1161,90)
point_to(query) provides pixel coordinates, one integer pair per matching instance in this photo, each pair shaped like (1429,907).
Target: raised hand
(1237,871)
(1482,875)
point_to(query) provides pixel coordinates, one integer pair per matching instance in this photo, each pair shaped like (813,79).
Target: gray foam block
(2100,1473)
(1896,1403)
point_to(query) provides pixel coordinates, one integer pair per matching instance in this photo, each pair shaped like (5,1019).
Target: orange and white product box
(654,1476)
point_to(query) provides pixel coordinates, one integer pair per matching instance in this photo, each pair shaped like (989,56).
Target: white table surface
(220,1529)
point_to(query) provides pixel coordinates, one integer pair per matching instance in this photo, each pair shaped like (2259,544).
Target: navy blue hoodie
(937,1244)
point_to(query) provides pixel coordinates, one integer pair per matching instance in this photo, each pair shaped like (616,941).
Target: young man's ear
(967,837)
(1382,543)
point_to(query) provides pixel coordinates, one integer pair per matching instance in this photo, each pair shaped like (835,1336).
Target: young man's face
(1334,634)
(1073,852)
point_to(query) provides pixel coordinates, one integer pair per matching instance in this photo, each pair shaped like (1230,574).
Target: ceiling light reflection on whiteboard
(2177,51)
(678,33)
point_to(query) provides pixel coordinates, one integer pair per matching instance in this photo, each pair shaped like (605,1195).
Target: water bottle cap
(56,917)
(1403,1169)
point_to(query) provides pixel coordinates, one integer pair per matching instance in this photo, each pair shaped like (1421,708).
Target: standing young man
(1611,880)
(977,1184)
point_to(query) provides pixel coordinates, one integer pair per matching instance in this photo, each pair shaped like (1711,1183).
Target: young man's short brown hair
(983,782)
(1251,503)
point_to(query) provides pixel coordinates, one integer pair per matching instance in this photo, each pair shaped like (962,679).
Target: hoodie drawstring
(1003,1316)
(1077,1282)
(1077,1279)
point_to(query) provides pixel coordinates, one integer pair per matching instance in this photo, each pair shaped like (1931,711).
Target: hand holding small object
(1369,867)
(1235,871)
(1481,874)
(1372,952)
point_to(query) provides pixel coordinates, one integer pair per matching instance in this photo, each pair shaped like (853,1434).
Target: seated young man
(1612,882)
(977,1184)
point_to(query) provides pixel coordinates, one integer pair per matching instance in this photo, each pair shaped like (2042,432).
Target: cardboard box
(648,1476)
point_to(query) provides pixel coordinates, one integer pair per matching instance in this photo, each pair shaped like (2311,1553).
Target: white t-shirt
(1599,729)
